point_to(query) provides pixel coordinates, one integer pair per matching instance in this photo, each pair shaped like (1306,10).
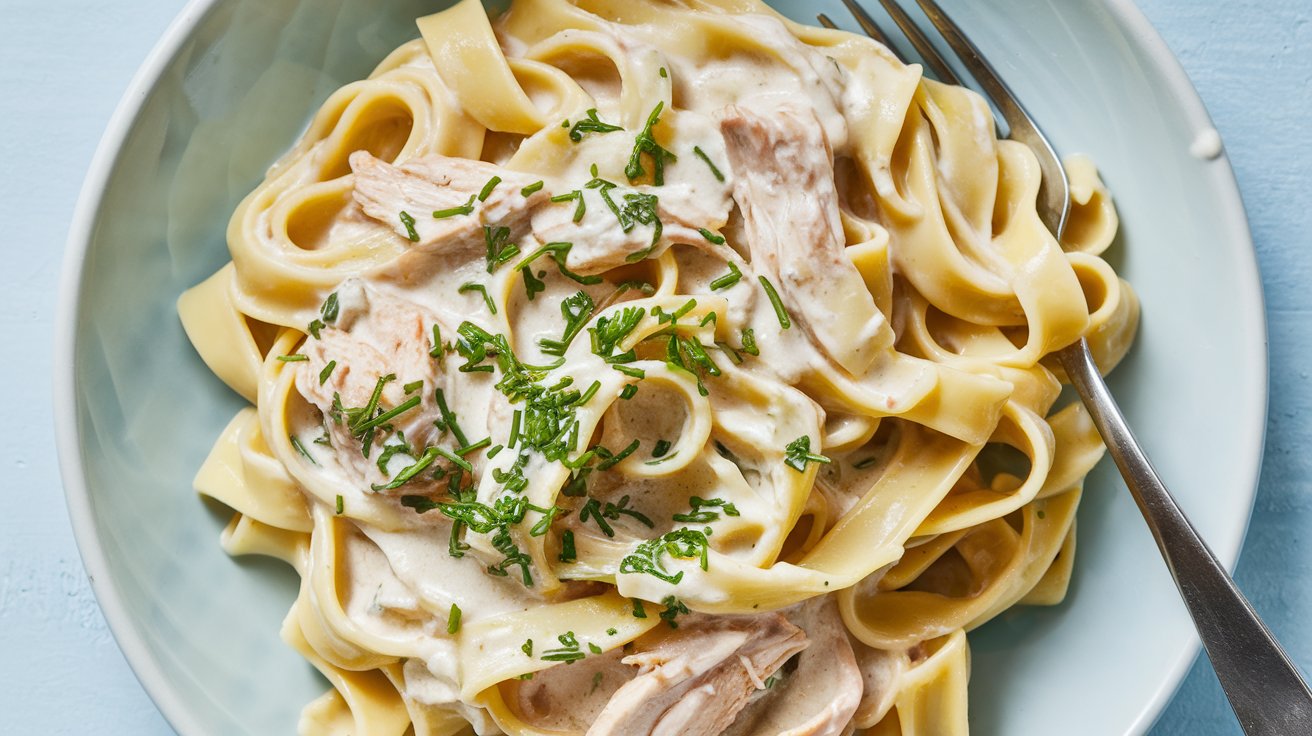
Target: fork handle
(1267,693)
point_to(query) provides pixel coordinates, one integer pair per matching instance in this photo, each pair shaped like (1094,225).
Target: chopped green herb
(568,651)
(612,631)
(462,451)
(865,462)
(499,248)
(700,513)
(581,206)
(453,620)
(296,443)
(645,143)
(662,447)
(664,73)
(590,124)
(596,676)
(471,286)
(611,330)
(776,302)
(697,150)
(559,252)
(749,342)
(409,223)
(727,280)
(567,551)
(595,649)
(711,236)
(532,284)
(638,610)
(330,308)
(326,372)
(577,310)
(495,451)
(527,647)
(315,326)
(438,350)
(487,189)
(448,420)
(463,209)
(296,358)
(798,453)
(412,386)
(630,371)
(681,543)
(531,188)
(341,505)
(420,504)
(629,391)
(673,608)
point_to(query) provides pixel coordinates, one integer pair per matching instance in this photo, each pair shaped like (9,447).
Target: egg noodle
(627,367)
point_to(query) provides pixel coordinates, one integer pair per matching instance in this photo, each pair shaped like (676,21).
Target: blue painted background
(63,67)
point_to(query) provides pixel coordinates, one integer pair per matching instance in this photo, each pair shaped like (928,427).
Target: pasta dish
(653,367)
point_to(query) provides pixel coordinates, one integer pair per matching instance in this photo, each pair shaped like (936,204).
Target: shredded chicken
(695,681)
(784,186)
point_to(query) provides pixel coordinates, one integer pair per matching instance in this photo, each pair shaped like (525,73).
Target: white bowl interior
(235,81)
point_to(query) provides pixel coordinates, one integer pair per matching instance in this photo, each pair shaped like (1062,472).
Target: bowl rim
(1126,16)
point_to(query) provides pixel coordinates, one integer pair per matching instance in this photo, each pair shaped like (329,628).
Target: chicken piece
(600,239)
(695,681)
(419,187)
(820,695)
(375,335)
(784,186)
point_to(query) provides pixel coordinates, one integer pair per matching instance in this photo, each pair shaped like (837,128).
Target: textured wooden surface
(63,67)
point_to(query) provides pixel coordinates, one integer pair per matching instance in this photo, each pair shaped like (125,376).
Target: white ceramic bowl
(228,89)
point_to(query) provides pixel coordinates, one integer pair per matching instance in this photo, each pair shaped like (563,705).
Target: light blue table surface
(63,67)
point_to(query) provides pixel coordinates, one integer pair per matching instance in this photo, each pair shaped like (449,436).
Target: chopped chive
(664,74)
(386,416)
(437,350)
(471,286)
(476,446)
(595,650)
(330,308)
(616,459)
(629,391)
(527,647)
(711,236)
(296,442)
(749,342)
(587,395)
(590,124)
(532,284)
(314,328)
(448,419)
(638,610)
(865,463)
(495,451)
(453,620)
(727,280)
(697,150)
(567,551)
(629,371)
(798,453)
(409,223)
(646,143)
(776,302)
(296,358)
(577,196)
(341,504)
(531,188)
(326,372)
(412,386)
(662,447)
(710,319)
(486,191)
(458,461)
(463,209)
(514,428)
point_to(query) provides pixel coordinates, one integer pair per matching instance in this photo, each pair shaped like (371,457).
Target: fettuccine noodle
(653,367)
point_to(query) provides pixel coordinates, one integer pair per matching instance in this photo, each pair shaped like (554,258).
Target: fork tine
(826,22)
(922,45)
(1054,188)
(867,23)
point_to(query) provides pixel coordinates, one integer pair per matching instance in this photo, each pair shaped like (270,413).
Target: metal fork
(1268,695)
